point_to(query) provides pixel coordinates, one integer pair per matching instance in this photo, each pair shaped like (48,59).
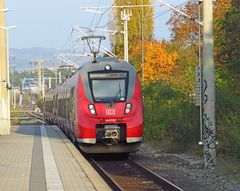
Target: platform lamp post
(4,101)
(7,81)
(7,47)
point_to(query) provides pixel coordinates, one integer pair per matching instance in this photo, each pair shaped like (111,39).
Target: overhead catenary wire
(162,3)
(73,47)
(100,1)
(179,11)
(104,14)
(102,48)
(66,41)
(163,12)
(135,6)
(123,6)
(113,5)
(108,23)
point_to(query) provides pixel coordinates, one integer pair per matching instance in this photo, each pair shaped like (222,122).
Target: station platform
(41,157)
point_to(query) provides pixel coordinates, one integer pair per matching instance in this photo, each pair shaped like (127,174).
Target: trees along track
(130,176)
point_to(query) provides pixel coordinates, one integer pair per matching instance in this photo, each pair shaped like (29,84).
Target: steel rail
(159,180)
(134,175)
(113,184)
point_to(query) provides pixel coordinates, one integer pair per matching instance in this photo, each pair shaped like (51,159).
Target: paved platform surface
(41,158)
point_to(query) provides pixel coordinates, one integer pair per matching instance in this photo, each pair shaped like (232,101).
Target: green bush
(168,115)
(171,116)
(227,114)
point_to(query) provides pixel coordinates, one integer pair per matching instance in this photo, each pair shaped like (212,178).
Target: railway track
(125,174)
(33,114)
(130,176)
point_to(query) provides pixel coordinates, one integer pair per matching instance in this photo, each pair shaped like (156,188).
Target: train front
(109,108)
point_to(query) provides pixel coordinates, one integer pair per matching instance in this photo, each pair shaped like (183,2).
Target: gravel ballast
(185,171)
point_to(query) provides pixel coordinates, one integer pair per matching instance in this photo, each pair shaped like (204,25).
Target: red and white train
(100,107)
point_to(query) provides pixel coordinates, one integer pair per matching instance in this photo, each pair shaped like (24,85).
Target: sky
(48,23)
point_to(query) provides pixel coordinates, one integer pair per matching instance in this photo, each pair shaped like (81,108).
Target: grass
(16,113)
(229,168)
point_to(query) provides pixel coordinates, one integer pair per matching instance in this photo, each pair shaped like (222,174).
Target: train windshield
(108,87)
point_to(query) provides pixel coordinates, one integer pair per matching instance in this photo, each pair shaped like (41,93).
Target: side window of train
(66,104)
(57,100)
(71,98)
(54,99)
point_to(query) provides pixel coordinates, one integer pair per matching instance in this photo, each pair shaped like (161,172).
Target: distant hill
(21,57)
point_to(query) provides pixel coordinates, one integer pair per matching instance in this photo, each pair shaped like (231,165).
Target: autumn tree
(183,75)
(228,41)
(185,41)
(158,61)
(134,25)
(185,30)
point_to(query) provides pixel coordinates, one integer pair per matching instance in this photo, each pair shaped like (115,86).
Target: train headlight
(91,106)
(128,108)
(107,67)
(91,109)
(93,112)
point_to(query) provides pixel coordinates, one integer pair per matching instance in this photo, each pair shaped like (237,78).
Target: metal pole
(209,128)
(200,68)
(43,84)
(39,74)
(126,40)
(49,82)
(142,46)
(125,16)
(60,77)
(4,92)
(56,78)
(7,79)
(179,11)
(14,98)
(11,97)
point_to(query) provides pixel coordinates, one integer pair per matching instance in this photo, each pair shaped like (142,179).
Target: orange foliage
(158,61)
(222,6)
(185,30)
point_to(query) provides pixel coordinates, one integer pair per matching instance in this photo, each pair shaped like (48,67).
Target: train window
(111,87)
(108,75)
